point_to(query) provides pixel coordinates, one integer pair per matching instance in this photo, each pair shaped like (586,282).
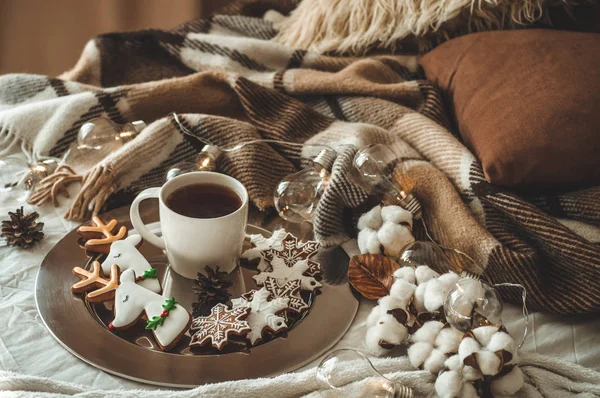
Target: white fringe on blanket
(544,377)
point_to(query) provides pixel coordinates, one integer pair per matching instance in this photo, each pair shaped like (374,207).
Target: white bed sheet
(27,347)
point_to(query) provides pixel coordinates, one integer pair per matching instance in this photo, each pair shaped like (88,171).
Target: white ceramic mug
(193,243)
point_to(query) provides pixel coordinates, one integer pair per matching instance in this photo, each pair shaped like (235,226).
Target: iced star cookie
(98,288)
(100,236)
(283,274)
(289,291)
(292,251)
(263,314)
(216,327)
(125,254)
(261,244)
(168,320)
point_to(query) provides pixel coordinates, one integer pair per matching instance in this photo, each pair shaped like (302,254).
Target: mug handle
(136,220)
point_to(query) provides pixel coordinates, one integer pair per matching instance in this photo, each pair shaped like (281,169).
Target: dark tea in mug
(204,201)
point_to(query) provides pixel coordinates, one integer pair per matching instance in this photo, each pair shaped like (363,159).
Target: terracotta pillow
(526,102)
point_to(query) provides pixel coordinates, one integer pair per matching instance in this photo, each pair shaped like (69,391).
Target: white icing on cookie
(131,300)
(283,274)
(263,314)
(262,243)
(125,254)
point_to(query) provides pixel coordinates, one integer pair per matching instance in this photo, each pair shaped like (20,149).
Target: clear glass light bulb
(102,133)
(297,195)
(179,169)
(38,172)
(373,171)
(207,158)
(471,303)
(349,373)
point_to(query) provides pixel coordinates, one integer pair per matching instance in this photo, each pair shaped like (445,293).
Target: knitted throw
(229,83)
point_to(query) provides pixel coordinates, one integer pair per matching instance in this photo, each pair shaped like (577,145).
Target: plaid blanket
(230,83)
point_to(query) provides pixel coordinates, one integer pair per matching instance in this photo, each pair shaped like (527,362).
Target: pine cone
(22,230)
(211,290)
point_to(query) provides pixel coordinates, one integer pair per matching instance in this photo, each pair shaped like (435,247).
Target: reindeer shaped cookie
(168,320)
(101,236)
(125,254)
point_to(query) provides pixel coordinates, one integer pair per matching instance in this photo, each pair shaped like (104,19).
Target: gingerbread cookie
(283,274)
(292,251)
(100,236)
(125,254)
(261,244)
(290,291)
(216,327)
(98,288)
(263,314)
(168,320)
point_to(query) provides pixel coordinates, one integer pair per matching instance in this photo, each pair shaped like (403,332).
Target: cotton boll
(448,279)
(418,353)
(484,334)
(428,332)
(388,303)
(488,362)
(467,346)
(501,341)
(373,316)
(394,238)
(390,330)
(372,338)
(397,215)
(419,298)
(434,295)
(472,289)
(402,291)
(371,219)
(368,242)
(448,384)
(435,362)
(468,391)
(453,363)
(406,273)
(448,340)
(509,384)
(423,273)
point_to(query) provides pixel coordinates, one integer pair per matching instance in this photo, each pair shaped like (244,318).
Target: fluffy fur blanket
(230,83)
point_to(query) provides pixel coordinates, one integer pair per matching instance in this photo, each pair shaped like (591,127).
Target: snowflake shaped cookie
(261,244)
(217,326)
(290,291)
(283,274)
(263,314)
(293,251)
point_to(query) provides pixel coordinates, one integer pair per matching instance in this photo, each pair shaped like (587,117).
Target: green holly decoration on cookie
(156,321)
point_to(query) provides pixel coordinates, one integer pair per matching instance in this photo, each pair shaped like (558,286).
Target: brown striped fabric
(229,83)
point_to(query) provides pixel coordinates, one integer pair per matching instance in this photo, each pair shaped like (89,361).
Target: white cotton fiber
(453,363)
(406,273)
(467,346)
(509,384)
(448,384)
(435,362)
(418,353)
(472,288)
(434,295)
(388,303)
(448,279)
(402,291)
(468,391)
(448,340)
(390,330)
(423,273)
(471,374)
(428,332)
(373,316)
(419,298)
(372,338)
(394,238)
(501,341)
(371,219)
(488,362)
(368,242)
(484,334)
(397,215)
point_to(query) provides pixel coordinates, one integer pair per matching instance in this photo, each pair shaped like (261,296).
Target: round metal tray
(81,327)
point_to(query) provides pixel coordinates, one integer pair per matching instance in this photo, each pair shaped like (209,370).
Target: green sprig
(150,273)
(155,322)
(170,304)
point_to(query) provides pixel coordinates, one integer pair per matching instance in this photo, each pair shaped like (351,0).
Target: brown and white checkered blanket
(230,83)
